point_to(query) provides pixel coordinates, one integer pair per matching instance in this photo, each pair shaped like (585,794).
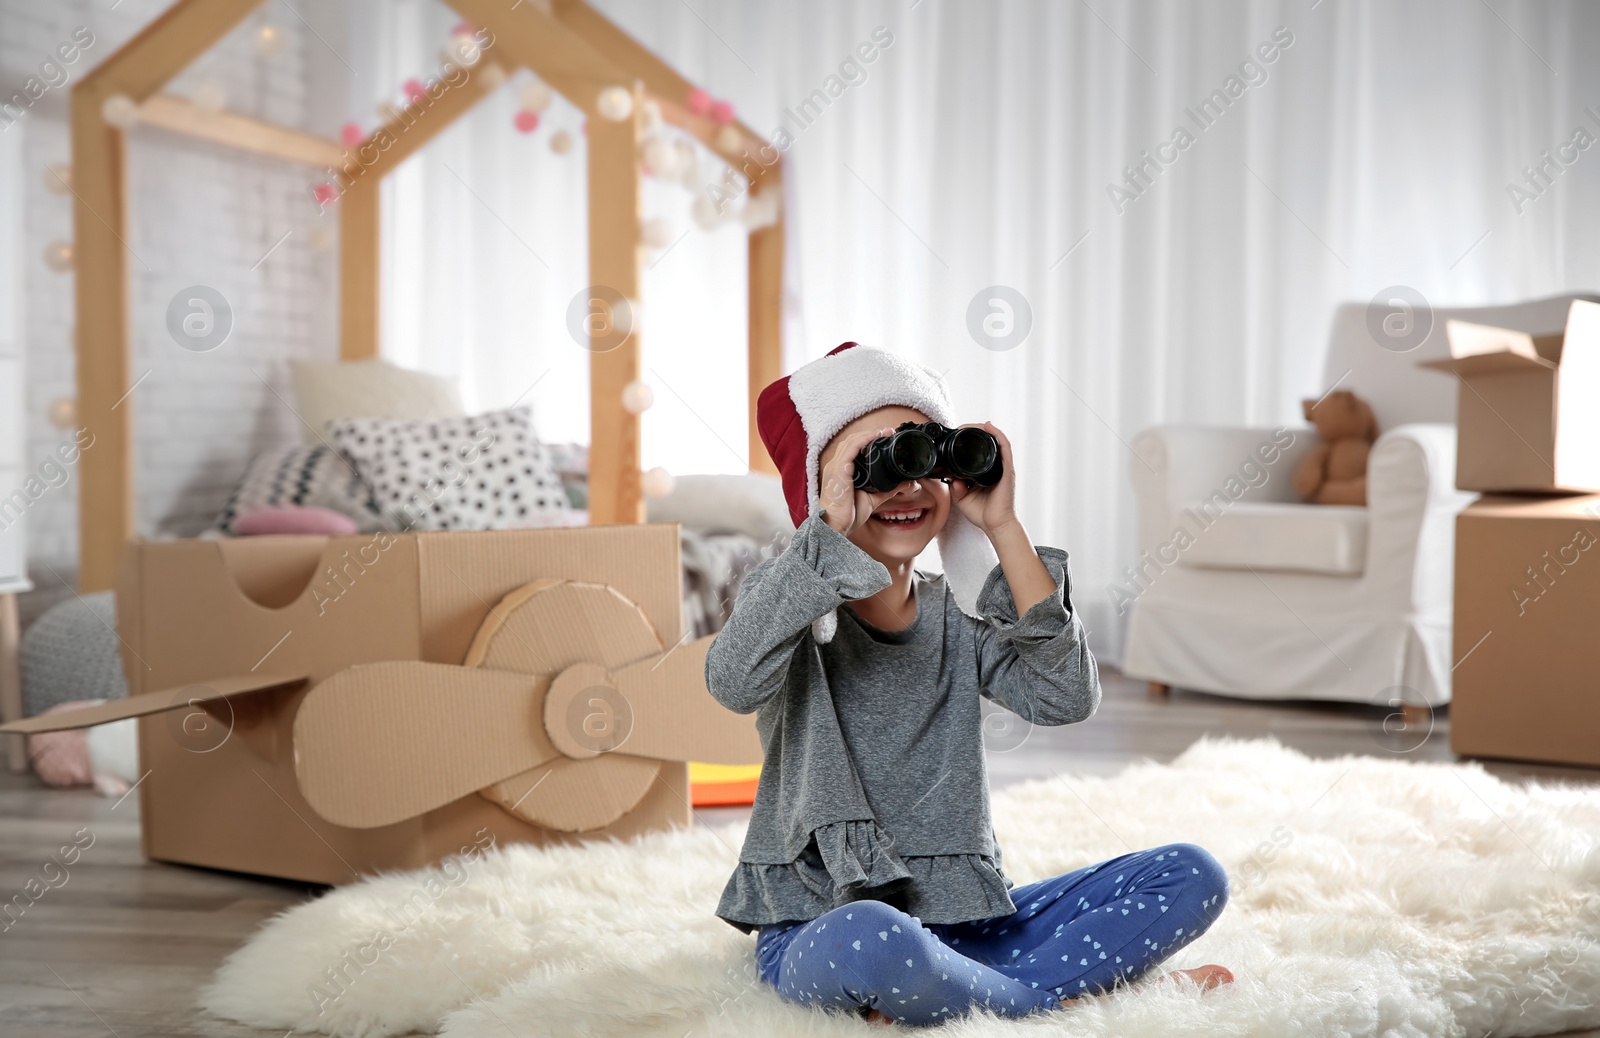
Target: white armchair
(1242,590)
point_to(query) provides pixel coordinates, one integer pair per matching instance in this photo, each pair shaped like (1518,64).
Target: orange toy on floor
(1334,472)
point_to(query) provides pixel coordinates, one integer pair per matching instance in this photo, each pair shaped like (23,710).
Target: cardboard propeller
(566,684)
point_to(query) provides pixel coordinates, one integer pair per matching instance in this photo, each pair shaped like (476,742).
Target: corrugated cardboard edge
(129,571)
(458,590)
(1488,364)
(155,702)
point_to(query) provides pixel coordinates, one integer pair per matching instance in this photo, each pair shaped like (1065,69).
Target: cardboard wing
(206,695)
(566,683)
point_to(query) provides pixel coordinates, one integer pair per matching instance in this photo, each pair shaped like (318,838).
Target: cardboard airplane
(415,690)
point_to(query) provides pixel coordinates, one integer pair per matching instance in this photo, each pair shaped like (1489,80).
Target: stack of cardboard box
(1527,573)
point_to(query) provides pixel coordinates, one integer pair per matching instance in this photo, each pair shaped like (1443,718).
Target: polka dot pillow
(479,472)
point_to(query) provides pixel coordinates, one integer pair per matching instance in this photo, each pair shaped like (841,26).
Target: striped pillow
(313,477)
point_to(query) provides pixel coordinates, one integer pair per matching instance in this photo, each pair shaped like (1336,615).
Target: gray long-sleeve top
(873,781)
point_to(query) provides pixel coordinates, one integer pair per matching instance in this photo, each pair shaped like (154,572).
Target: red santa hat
(798,414)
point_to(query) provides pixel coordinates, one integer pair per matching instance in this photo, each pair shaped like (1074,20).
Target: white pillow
(751,503)
(368,389)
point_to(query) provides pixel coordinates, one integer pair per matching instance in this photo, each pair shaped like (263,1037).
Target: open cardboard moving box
(322,708)
(1528,415)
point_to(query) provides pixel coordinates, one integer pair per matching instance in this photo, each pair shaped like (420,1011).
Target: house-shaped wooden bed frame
(569,45)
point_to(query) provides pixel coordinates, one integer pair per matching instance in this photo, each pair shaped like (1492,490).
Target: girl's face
(887,540)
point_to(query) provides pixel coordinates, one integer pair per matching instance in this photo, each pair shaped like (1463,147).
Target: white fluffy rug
(1370,897)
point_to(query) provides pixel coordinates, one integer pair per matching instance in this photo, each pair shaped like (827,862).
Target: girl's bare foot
(875,1017)
(1207,977)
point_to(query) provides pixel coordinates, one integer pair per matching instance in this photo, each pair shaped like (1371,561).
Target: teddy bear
(1334,472)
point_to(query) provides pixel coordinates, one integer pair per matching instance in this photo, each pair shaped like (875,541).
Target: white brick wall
(197,214)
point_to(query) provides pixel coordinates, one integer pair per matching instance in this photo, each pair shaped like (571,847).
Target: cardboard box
(319,709)
(1527,592)
(1529,406)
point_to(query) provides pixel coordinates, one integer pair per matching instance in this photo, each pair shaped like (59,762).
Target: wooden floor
(120,947)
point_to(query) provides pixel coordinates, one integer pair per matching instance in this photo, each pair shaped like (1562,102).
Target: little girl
(870,867)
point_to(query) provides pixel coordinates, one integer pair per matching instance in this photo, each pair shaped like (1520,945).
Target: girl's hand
(844,507)
(989,508)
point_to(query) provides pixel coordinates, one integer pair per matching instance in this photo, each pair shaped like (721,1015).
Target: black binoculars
(930,451)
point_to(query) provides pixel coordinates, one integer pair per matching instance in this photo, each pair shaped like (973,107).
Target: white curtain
(1377,147)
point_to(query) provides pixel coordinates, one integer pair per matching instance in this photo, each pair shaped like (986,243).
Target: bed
(622,89)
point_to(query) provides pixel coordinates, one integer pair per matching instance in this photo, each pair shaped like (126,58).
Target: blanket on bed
(714,565)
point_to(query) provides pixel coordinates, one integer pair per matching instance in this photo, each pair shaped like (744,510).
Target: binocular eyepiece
(929,450)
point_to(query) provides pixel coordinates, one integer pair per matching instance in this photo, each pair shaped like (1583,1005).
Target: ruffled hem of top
(857,855)
(940,888)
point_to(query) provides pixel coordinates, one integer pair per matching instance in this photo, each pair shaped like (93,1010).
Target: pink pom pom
(464,29)
(325,193)
(527,122)
(722,113)
(415,90)
(699,101)
(352,135)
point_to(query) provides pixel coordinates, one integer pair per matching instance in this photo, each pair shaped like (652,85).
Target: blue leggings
(1074,934)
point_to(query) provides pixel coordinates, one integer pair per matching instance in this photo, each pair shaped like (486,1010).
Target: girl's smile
(901,518)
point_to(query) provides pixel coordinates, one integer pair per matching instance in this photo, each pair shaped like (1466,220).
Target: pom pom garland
(536,96)
(688,163)
(269,40)
(655,233)
(58,256)
(120,111)
(615,103)
(637,396)
(657,482)
(62,413)
(492,76)
(463,50)
(705,213)
(660,157)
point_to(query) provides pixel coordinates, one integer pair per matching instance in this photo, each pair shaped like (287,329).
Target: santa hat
(798,414)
